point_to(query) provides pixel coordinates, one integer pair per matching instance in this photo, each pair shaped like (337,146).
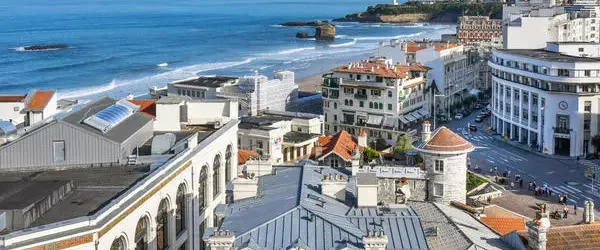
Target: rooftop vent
(112,115)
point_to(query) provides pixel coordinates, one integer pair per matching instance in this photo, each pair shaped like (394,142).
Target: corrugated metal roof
(292,212)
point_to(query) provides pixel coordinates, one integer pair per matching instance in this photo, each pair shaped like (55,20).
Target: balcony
(360,96)
(524,122)
(331,82)
(560,130)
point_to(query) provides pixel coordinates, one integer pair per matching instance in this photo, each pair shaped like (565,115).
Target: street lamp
(434,107)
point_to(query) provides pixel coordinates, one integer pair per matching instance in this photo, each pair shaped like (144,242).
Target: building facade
(375,95)
(547,98)
(478,29)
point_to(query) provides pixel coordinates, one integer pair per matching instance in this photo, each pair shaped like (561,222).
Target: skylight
(112,115)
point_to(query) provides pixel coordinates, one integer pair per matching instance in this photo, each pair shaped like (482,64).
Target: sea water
(118,47)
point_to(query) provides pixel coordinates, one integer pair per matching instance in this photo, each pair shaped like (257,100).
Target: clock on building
(563,105)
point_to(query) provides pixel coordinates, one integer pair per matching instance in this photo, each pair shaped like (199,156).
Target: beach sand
(310,83)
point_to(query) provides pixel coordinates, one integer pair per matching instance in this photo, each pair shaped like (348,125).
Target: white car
(458,116)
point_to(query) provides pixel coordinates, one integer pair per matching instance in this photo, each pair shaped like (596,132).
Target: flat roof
(297,137)
(208,81)
(542,54)
(92,189)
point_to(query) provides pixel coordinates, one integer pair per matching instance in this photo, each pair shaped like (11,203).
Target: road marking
(571,188)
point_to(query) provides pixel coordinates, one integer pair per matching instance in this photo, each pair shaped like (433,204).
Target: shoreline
(310,83)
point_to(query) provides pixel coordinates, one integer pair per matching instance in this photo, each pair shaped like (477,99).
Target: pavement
(564,175)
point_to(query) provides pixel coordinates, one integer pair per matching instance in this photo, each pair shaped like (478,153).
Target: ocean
(121,47)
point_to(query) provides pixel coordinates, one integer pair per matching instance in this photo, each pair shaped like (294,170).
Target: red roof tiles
(39,100)
(146,106)
(504,225)
(244,155)
(446,140)
(342,143)
(380,69)
(12,98)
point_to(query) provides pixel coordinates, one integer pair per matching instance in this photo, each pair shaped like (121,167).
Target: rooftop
(379,69)
(38,100)
(504,225)
(298,137)
(342,143)
(146,106)
(245,155)
(293,211)
(542,54)
(208,81)
(12,98)
(444,140)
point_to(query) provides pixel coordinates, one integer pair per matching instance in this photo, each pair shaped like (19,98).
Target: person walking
(545,189)
(575,208)
(520,183)
(565,199)
(512,185)
(530,185)
(566,212)
(550,191)
(560,199)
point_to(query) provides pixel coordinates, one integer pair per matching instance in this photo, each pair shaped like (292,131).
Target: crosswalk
(479,137)
(578,193)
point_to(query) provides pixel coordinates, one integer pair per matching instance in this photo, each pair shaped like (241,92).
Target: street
(565,176)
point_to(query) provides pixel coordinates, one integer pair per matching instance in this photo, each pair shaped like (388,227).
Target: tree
(403,145)
(370,154)
(596,142)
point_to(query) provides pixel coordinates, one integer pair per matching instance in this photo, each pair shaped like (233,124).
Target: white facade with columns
(115,223)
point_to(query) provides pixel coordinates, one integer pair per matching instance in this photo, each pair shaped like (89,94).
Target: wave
(162,65)
(341,36)
(353,42)
(381,38)
(292,51)
(276,26)
(141,84)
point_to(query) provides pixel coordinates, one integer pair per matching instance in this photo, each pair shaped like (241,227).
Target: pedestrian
(550,191)
(489,199)
(565,199)
(575,208)
(545,189)
(496,170)
(508,174)
(566,211)
(530,185)
(512,185)
(534,185)
(520,183)
(560,199)
(540,191)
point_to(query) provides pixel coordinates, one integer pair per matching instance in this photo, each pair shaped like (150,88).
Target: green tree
(596,142)
(403,145)
(370,154)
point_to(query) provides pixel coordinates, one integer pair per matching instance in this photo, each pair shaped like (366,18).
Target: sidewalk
(525,147)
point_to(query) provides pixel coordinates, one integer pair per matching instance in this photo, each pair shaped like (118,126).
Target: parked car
(458,116)
(478,106)
(484,113)
(472,128)
(479,118)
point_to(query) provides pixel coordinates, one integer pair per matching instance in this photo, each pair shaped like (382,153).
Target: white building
(283,136)
(28,109)
(548,98)
(254,93)
(376,95)
(557,24)
(452,74)
(163,199)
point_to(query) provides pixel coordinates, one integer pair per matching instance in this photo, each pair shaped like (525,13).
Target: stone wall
(453,179)
(386,192)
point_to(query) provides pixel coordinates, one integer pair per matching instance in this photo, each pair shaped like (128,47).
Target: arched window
(228,169)
(216,175)
(118,244)
(141,234)
(202,188)
(346,102)
(180,212)
(162,225)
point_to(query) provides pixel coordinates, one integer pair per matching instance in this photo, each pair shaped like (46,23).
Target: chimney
(375,240)
(334,186)
(405,47)
(362,138)
(537,230)
(426,133)
(366,189)
(220,240)
(588,212)
(244,188)
(355,161)
(318,149)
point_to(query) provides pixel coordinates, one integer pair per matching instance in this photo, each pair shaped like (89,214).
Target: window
(179,91)
(438,189)
(389,93)
(162,226)
(587,106)
(228,155)
(389,106)
(141,234)
(16,109)
(216,175)
(335,105)
(180,210)
(335,117)
(346,102)
(370,105)
(118,244)
(587,72)
(259,144)
(351,103)
(380,105)
(376,92)
(562,121)
(59,150)
(358,77)
(580,49)
(586,124)
(563,72)
(202,197)
(439,166)
(361,104)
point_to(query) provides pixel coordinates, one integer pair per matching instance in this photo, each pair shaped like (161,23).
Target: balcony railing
(360,96)
(331,82)
(560,130)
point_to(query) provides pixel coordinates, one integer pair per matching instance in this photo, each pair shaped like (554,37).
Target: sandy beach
(310,83)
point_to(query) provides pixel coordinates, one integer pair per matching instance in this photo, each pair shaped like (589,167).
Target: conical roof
(444,140)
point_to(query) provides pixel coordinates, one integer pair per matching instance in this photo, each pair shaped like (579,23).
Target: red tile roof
(244,155)
(446,140)
(39,100)
(342,143)
(504,225)
(578,237)
(379,69)
(413,47)
(12,98)
(146,106)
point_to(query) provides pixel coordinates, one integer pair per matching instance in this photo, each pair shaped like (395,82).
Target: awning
(410,118)
(424,113)
(416,115)
(403,120)
(390,122)
(375,120)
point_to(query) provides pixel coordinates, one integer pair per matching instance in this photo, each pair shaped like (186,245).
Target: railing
(560,130)
(331,82)
(360,96)
(515,118)
(524,122)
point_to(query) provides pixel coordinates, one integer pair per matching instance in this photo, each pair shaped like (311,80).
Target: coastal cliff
(411,12)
